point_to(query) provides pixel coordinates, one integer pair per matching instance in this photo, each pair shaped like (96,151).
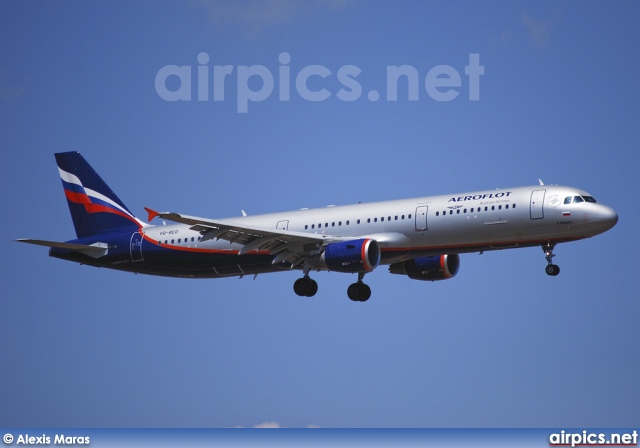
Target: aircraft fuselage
(404,229)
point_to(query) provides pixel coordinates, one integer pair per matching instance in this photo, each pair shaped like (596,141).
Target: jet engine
(440,267)
(352,256)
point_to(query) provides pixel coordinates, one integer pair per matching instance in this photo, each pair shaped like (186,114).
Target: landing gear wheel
(305,287)
(552,270)
(367,292)
(359,292)
(313,288)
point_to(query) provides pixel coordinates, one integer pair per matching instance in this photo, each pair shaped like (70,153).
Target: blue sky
(500,345)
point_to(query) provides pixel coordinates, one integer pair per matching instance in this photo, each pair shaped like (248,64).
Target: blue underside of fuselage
(170,262)
(153,259)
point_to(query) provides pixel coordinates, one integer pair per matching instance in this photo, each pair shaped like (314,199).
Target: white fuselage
(431,225)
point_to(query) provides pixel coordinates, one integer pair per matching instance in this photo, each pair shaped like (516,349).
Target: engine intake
(352,256)
(440,267)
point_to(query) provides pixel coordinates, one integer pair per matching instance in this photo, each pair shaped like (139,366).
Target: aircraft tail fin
(94,207)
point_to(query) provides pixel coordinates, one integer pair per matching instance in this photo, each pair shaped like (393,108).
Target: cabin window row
(477,210)
(186,240)
(369,220)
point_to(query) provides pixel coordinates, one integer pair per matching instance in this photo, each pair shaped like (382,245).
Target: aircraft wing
(287,245)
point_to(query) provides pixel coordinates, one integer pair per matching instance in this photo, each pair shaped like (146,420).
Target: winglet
(152,213)
(541,183)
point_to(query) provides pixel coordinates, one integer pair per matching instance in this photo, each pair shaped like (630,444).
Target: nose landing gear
(551,268)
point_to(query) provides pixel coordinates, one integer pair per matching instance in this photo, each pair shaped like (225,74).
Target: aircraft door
(282,225)
(537,201)
(136,247)
(421,217)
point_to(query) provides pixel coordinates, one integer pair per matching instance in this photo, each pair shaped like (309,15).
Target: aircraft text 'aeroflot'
(420,237)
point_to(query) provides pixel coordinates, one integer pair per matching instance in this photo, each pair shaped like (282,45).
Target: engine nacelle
(440,267)
(352,256)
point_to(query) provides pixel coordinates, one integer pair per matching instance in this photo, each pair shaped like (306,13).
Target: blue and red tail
(94,207)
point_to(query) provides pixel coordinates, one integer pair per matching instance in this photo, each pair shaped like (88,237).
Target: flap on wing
(95,250)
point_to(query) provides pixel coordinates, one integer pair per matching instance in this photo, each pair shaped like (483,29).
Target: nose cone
(608,217)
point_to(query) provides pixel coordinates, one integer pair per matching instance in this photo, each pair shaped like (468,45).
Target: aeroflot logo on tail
(481,196)
(255,83)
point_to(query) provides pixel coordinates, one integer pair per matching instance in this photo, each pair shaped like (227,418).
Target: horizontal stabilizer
(95,250)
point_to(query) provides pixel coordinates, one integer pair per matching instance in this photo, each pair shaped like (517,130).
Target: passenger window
(514,206)
(499,207)
(409,216)
(382,219)
(437,213)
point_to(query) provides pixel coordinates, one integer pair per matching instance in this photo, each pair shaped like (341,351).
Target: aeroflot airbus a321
(420,238)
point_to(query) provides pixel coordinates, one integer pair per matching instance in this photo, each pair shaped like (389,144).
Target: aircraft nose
(608,216)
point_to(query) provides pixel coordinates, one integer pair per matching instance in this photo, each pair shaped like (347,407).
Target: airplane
(421,238)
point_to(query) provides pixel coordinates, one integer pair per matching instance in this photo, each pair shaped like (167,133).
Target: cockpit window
(578,199)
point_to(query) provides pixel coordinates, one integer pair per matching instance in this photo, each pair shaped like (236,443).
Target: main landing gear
(307,287)
(551,268)
(358,291)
